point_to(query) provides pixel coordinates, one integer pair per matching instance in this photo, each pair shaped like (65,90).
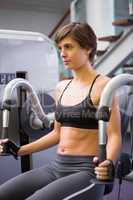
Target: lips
(66,61)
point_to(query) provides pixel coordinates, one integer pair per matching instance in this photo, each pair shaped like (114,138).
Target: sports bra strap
(64,90)
(93,84)
(71,81)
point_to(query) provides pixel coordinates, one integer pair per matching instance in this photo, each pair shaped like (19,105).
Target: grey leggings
(68,177)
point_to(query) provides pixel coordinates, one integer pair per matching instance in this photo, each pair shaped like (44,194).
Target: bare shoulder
(101,83)
(104,80)
(99,87)
(60,87)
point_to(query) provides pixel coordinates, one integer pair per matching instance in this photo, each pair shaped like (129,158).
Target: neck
(84,73)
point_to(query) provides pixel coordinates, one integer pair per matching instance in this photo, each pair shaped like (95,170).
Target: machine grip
(4,133)
(102,157)
(10,148)
(102,152)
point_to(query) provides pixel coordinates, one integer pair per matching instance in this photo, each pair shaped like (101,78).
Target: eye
(68,46)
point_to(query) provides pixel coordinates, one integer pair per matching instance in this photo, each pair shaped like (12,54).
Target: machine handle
(10,148)
(102,152)
(4,134)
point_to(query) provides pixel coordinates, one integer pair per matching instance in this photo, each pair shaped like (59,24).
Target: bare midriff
(75,141)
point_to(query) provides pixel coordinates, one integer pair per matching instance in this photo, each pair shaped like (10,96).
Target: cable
(131,135)
(119,191)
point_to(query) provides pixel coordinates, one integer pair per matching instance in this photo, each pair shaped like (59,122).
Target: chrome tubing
(36,123)
(106,101)
(15,83)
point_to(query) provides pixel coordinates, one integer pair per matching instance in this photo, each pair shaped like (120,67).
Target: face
(72,54)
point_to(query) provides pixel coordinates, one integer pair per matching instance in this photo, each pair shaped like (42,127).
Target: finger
(104,173)
(101,169)
(101,177)
(105,163)
(1,149)
(95,159)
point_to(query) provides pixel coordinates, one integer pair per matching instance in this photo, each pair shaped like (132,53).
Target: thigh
(75,186)
(24,185)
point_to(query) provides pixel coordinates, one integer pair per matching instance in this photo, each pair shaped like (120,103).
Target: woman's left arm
(114,139)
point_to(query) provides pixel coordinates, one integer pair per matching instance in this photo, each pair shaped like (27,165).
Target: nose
(62,53)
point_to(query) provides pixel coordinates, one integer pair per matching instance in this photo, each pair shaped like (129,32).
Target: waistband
(74,158)
(71,164)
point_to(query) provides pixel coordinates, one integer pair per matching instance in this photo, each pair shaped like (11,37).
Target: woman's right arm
(42,143)
(49,140)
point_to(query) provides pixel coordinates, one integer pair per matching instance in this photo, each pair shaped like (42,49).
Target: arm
(114,139)
(9,147)
(46,141)
(42,143)
(53,137)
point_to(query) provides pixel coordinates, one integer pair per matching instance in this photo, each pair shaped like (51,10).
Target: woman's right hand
(2,142)
(8,147)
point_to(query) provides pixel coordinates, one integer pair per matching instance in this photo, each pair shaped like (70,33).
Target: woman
(75,131)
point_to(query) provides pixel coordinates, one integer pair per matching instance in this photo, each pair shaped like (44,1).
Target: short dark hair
(81,33)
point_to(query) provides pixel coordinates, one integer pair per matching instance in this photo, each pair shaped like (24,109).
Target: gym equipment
(105,108)
(33,55)
(46,120)
(103,115)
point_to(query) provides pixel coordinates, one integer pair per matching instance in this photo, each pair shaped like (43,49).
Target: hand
(7,147)
(105,170)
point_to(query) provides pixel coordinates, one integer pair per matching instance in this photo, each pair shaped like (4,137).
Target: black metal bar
(4,133)
(102,152)
(24,138)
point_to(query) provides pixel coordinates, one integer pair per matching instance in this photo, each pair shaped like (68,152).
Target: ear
(89,51)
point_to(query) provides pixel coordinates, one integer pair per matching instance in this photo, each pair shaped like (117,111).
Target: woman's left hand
(104,170)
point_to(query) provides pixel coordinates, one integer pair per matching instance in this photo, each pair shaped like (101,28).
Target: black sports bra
(81,115)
